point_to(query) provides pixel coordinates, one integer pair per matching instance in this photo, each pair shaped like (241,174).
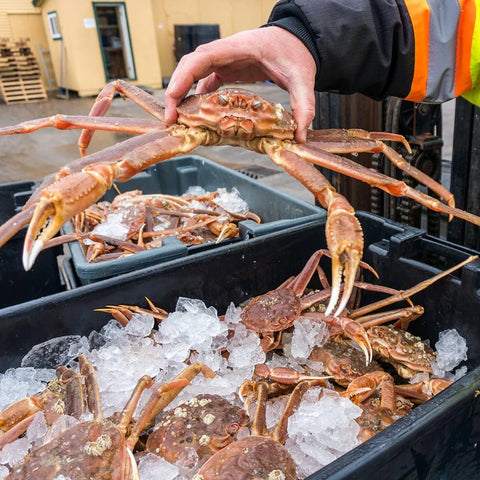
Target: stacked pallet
(20,79)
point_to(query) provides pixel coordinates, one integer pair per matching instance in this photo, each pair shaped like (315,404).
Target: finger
(209,84)
(302,104)
(170,104)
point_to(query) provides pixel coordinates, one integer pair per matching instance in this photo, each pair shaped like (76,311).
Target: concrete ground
(32,156)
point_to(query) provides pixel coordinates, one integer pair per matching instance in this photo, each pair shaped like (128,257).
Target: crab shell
(206,423)
(343,361)
(252,457)
(375,418)
(89,450)
(237,113)
(406,352)
(272,312)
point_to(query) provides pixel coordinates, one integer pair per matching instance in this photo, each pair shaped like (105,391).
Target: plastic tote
(438,440)
(17,285)
(277,211)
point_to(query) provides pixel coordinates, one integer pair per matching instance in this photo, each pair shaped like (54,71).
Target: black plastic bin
(438,440)
(17,285)
(277,211)
(189,37)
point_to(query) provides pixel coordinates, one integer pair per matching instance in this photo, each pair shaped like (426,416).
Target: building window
(54,25)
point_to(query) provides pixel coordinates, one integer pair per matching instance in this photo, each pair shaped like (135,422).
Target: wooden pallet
(18,90)
(20,79)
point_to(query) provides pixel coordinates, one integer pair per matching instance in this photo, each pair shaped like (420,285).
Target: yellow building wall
(231,15)
(77,58)
(13,6)
(83,69)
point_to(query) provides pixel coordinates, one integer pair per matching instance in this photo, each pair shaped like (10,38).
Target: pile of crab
(134,222)
(274,389)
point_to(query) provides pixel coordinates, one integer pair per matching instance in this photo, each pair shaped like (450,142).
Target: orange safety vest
(442,72)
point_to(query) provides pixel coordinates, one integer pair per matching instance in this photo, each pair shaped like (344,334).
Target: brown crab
(273,312)
(61,396)
(206,423)
(375,394)
(101,449)
(261,454)
(233,117)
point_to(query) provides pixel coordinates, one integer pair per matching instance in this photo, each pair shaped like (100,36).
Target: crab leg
(104,99)
(392,186)
(358,141)
(404,294)
(72,122)
(164,395)
(71,194)
(343,231)
(110,154)
(403,317)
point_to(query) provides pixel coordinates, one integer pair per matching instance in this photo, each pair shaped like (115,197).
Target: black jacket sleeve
(364,46)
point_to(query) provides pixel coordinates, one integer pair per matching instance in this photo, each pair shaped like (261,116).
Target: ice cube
(22,382)
(140,325)
(13,453)
(112,227)
(55,352)
(307,334)
(231,201)
(37,430)
(153,467)
(322,428)
(451,351)
(195,190)
(244,347)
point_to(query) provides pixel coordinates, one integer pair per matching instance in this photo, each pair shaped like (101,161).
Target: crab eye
(257,104)
(222,99)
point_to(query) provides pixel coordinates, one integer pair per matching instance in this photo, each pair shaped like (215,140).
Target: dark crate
(277,211)
(17,285)
(438,440)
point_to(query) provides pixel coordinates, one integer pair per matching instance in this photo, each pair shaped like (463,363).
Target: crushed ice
(451,351)
(113,227)
(321,429)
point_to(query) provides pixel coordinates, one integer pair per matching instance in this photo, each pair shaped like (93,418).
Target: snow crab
(233,117)
(207,423)
(101,448)
(261,454)
(148,218)
(275,311)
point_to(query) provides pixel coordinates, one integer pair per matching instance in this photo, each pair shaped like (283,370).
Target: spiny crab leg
(392,186)
(361,141)
(75,192)
(104,99)
(110,154)
(343,230)
(135,126)
(404,294)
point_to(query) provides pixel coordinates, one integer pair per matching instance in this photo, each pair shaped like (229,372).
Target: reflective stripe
(473,95)
(463,77)
(444,62)
(419,11)
(444,15)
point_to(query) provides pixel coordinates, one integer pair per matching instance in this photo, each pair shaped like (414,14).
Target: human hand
(269,53)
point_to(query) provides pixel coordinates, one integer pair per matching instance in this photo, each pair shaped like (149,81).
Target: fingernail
(172,85)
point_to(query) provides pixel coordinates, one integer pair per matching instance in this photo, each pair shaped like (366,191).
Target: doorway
(114,37)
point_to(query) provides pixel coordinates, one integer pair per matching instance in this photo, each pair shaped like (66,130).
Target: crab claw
(356,332)
(59,202)
(345,243)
